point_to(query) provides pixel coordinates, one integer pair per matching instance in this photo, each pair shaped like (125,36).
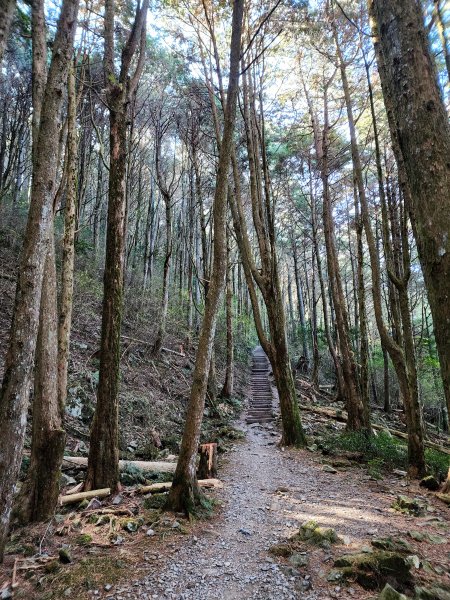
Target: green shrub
(383,451)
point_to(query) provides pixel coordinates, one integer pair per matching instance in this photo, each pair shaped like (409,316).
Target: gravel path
(268,493)
(230,561)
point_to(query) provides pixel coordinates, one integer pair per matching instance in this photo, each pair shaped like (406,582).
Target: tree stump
(207,468)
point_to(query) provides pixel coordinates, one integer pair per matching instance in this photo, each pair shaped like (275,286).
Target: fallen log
(73,498)
(168,350)
(328,412)
(148,343)
(156,488)
(155,466)
(342,417)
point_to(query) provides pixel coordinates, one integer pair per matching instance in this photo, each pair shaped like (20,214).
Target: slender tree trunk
(301,305)
(228,386)
(41,489)
(315,337)
(68,257)
(21,352)
(184,493)
(358,415)
(39,494)
(293,434)
(156,349)
(386,385)
(97,208)
(103,463)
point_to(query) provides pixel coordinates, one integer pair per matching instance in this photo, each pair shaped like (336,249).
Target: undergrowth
(383,452)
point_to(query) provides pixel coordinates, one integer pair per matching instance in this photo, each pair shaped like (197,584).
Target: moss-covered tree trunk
(420,130)
(103,460)
(22,345)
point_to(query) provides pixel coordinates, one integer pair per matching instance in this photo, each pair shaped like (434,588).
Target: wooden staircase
(260,408)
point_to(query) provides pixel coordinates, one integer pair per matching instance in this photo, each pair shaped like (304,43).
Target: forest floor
(268,493)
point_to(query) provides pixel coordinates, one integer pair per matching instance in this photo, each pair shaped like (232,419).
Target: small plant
(375,468)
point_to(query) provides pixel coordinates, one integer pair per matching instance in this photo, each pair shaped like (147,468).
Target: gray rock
(65,480)
(389,593)
(6,593)
(329,469)
(298,560)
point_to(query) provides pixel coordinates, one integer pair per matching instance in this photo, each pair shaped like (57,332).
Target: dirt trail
(268,493)
(230,560)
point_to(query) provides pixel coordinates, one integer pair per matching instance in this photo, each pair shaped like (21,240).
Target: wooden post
(207,468)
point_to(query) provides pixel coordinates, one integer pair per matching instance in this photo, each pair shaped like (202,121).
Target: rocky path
(268,493)
(230,561)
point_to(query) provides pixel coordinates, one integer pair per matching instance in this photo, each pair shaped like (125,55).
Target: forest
(225,299)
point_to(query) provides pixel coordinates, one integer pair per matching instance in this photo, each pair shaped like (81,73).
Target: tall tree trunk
(361,197)
(358,414)
(21,352)
(184,493)
(103,460)
(386,386)
(41,489)
(407,382)
(156,349)
(7,8)
(228,386)
(39,494)
(68,256)
(419,125)
(315,337)
(301,304)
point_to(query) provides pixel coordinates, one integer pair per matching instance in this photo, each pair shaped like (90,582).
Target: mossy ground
(90,573)
(383,452)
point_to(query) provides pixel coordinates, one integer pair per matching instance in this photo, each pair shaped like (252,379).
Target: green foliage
(383,452)
(204,508)
(155,501)
(382,448)
(437,462)
(375,467)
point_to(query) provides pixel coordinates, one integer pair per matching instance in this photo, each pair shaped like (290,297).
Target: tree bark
(421,139)
(228,386)
(403,359)
(68,258)
(103,461)
(7,8)
(20,357)
(184,493)
(301,304)
(159,341)
(39,496)
(358,414)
